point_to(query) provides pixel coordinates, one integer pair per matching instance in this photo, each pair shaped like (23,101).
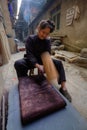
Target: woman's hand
(40,68)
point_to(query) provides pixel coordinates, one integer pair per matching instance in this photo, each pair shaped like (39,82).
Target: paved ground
(76,82)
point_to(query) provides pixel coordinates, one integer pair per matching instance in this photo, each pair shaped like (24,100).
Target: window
(58,20)
(55,15)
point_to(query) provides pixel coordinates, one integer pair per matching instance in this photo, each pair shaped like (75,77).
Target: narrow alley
(30,29)
(76,81)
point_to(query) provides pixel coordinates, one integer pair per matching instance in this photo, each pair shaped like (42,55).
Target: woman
(35,46)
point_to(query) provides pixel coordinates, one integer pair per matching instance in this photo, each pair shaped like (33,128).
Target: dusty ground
(76,82)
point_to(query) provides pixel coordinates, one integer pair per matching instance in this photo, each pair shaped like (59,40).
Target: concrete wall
(76,33)
(5,50)
(8,25)
(4,46)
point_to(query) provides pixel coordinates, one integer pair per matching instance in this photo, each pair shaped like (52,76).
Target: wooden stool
(31,72)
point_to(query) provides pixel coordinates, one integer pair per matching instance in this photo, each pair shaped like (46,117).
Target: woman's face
(43,33)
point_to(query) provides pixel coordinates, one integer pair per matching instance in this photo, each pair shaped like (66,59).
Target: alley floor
(76,82)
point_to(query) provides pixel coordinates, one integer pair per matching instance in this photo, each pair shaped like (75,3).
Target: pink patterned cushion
(37,98)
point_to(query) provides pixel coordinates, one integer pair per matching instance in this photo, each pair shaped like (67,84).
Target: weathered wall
(76,33)
(8,25)
(4,46)
(5,51)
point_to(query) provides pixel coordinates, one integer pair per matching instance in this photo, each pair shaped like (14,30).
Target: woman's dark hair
(47,23)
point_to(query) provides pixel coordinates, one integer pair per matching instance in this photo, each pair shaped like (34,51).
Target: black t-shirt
(35,47)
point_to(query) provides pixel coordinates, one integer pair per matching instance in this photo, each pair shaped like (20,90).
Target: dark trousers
(22,66)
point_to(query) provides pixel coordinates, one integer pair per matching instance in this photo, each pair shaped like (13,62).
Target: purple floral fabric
(37,98)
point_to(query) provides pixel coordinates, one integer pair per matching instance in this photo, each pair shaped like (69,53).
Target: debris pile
(82,59)
(79,59)
(56,45)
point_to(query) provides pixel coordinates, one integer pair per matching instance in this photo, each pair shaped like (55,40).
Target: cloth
(37,98)
(35,47)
